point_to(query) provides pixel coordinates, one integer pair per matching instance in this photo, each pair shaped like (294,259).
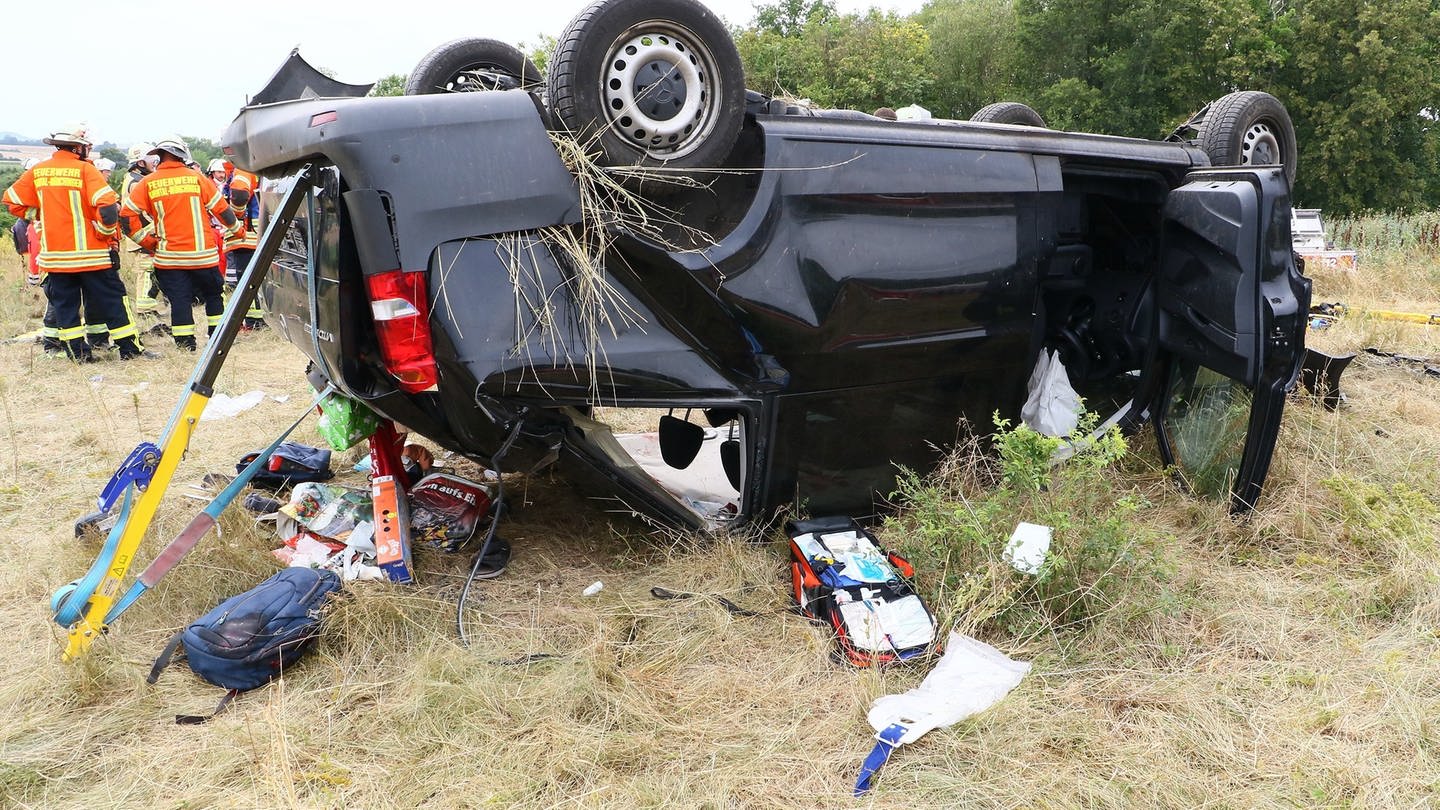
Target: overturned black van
(831,294)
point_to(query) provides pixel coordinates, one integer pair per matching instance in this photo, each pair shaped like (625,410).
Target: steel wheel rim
(1260,146)
(658,89)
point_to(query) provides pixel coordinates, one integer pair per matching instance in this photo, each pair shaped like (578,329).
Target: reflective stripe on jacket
(176,199)
(66,194)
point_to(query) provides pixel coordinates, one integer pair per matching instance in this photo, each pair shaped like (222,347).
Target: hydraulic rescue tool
(85,607)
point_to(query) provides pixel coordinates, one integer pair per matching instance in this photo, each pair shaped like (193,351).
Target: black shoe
(185,343)
(253,325)
(98,344)
(143,354)
(497,557)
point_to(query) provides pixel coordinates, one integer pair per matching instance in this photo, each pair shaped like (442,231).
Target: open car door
(1231,323)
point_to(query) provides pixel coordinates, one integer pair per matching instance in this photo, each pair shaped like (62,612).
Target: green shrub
(957,522)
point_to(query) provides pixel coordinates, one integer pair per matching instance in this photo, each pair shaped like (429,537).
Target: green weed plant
(956,524)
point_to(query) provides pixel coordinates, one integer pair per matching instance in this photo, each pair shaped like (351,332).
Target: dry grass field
(1287,660)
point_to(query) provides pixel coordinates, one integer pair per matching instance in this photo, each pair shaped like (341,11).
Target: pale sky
(62,66)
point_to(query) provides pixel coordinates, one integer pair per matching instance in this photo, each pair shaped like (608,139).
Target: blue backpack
(249,639)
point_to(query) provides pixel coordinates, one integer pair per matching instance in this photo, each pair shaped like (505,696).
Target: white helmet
(77,135)
(105,164)
(216,165)
(174,146)
(138,152)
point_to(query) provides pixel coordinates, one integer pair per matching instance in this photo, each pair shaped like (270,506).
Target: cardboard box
(392,528)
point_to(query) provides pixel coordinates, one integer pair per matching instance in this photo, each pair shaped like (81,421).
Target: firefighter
(240,188)
(97,332)
(78,214)
(175,198)
(141,164)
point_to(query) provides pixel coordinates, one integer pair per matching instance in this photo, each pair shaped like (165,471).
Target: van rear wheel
(471,65)
(1008,112)
(1249,128)
(652,83)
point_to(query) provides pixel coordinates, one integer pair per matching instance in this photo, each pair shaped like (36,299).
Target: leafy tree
(851,61)
(113,152)
(9,173)
(973,47)
(539,53)
(203,150)
(1363,87)
(790,19)
(392,85)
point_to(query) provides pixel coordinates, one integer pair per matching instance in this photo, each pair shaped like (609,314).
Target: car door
(1231,307)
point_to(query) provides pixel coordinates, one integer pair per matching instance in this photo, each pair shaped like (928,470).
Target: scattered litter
(327,510)
(222,406)
(308,552)
(1426,364)
(261,505)
(280,398)
(1027,548)
(445,509)
(912,112)
(971,677)
(593,588)
(345,422)
(1052,407)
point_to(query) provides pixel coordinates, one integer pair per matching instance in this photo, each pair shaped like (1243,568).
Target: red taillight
(320,119)
(401,307)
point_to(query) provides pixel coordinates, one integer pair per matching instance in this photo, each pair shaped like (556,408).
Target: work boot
(98,342)
(130,350)
(52,345)
(253,325)
(186,343)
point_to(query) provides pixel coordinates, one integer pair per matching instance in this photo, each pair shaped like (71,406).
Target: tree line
(1359,78)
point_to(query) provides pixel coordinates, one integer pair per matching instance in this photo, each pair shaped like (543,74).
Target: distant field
(19,154)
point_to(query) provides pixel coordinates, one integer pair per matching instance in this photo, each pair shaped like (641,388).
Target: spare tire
(654,83)
(1008,112)
(1249,128)
(471,65)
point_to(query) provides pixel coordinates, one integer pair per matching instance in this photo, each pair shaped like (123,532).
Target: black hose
(494,524)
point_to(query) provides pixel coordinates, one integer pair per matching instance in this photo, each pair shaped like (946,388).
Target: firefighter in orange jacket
(174,198)
(78,215)
(240,187)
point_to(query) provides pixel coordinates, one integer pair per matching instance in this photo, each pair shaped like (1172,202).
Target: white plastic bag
(1053,408)
(971,677)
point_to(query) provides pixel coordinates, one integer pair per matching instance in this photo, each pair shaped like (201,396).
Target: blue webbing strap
(885,744)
